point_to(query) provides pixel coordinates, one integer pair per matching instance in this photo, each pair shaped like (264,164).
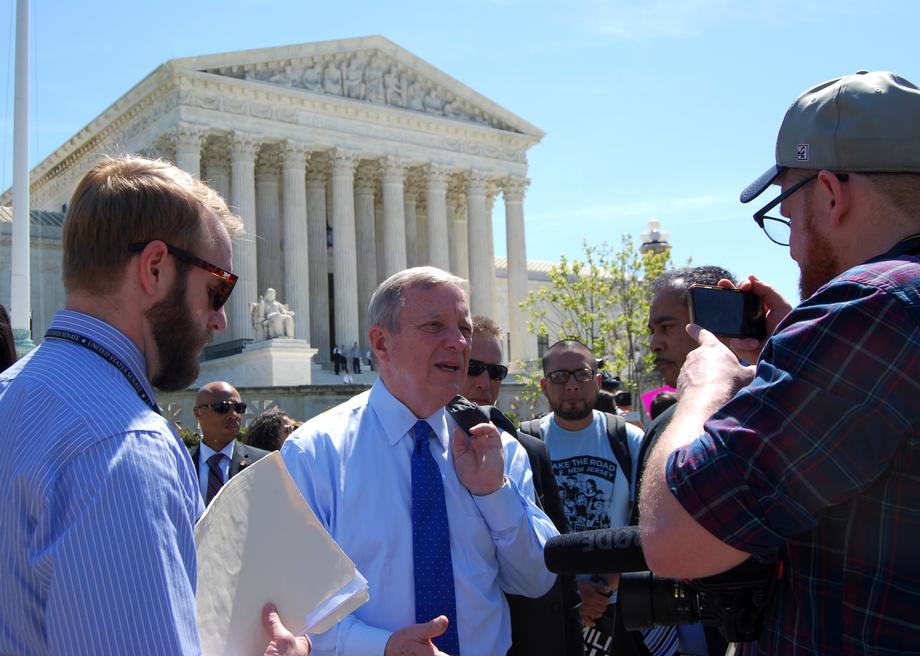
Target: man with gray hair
(441,522)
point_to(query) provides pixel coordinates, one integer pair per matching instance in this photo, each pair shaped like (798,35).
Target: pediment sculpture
(375,78)
(271,319)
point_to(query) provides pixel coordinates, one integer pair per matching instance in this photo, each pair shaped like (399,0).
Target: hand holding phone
(728,312)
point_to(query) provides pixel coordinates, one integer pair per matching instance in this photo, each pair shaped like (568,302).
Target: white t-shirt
(595,493)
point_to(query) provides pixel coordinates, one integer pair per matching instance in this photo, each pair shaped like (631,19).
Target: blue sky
(652,108)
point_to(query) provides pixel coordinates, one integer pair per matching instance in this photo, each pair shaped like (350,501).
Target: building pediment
(368,70)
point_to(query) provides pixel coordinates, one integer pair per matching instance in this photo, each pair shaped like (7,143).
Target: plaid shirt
(817,462)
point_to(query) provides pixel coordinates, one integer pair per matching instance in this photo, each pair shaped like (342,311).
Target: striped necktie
(215,476)
(434,571)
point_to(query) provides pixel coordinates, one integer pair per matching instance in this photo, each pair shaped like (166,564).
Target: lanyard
(109,357)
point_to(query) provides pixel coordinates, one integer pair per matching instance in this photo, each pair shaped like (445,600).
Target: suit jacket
(243,456)
(549,625)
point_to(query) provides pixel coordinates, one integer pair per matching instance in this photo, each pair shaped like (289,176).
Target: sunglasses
(496,371)
(219,294)
(223,407)
(561,376)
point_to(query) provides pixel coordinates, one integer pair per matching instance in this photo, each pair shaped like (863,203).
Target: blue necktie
(434,571)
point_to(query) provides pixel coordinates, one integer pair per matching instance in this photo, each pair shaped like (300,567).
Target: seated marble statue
(271,318)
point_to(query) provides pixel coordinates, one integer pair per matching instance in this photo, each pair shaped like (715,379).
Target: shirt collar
(397,420)
(107,335)
(205,452)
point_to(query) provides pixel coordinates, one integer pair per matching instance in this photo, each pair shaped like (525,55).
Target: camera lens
(647,600)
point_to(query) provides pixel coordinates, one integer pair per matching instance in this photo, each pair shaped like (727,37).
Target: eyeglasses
(561,376)
(220,294)
(778,230)
(223,407)
(496,371)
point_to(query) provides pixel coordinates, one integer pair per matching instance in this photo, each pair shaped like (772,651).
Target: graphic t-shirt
(595,493)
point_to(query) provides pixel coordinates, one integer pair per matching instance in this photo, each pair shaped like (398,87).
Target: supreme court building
(347,161)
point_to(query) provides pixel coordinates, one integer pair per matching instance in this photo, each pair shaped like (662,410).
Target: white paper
(257,542)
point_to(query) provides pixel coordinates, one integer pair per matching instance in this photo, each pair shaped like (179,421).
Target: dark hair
(680,279)
(564,345)
(661,403)
(604,402)
(263,431)
(7,344)
(623,398)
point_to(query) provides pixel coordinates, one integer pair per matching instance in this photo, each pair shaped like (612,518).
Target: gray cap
(866,122)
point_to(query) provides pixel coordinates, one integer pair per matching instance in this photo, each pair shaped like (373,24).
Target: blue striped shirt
(99,506)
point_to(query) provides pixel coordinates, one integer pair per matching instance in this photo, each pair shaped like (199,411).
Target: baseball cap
(865,122)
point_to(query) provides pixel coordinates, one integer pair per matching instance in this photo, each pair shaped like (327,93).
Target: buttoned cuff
(502,509)
(364,640)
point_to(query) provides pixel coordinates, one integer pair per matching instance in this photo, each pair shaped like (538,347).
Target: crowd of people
(801,449)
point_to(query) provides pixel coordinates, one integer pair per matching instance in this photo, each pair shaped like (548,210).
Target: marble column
(243,149)
(190,139)
(295,243)
(345,266)
(394,215)
(479,246)
(268,221)
(459,247)
(421,227)
(318,258)
(513,190)
(492,190)
(366,243)
(410,201)
(217,167)
(378,230)
(436,201)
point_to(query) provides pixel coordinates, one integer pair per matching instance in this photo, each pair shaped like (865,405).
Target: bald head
(219,410)
(206,392)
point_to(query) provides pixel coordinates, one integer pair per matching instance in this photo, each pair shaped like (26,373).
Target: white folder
(257,542)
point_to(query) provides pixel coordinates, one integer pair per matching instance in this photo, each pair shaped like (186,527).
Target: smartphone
(728,312)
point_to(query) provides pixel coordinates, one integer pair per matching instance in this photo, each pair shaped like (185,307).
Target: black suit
(548,625)
(243,456)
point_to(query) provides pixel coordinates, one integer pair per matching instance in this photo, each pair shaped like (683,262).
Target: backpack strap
(616,434)
(532,427)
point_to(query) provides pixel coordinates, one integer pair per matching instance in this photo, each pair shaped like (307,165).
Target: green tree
(602,301)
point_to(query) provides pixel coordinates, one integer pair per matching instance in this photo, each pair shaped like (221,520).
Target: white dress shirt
(353,466)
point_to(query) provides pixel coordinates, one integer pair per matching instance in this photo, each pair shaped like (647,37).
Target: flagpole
(20,278)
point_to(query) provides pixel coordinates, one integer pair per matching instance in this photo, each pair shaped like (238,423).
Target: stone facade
(347,161)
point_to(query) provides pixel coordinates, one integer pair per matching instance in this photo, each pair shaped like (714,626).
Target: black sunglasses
(778,230)
(496,371)
(219,294)
(561,376)
(223,407)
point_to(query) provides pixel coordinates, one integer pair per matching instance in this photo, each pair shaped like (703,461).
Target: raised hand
(711,372)
(776,306)
(479,461)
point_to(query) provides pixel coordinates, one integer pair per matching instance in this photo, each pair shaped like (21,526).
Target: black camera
(734,601)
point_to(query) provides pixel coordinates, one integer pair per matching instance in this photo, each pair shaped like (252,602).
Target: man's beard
(178,340)
(575,413)
(821,265)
